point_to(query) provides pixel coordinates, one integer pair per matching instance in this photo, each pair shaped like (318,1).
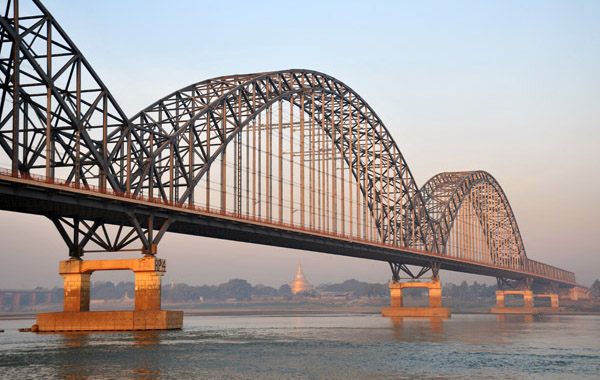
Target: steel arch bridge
(292,158)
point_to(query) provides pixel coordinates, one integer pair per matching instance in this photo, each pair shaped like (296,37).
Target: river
(316,347)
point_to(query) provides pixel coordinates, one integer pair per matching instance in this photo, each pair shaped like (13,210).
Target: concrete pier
(553,299)
(16,302)
(528,302)
(397,308)
(575,293)
(147,314)
(76,289)
(125,320)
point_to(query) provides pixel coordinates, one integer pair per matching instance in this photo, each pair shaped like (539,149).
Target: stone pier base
(127,320)
(528,303)
(397,308)
(415,312)
(526,310)
(77,317)
(515,310)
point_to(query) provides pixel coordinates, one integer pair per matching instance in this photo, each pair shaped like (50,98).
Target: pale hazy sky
(509,87)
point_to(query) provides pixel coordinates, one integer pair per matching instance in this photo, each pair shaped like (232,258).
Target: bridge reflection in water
(291,158)
(72,368)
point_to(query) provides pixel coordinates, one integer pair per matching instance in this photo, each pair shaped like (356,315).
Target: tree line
(233,289)
(241,290)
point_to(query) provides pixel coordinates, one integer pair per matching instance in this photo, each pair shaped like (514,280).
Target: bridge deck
(37,195)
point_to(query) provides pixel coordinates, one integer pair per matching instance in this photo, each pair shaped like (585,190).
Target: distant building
(300,284)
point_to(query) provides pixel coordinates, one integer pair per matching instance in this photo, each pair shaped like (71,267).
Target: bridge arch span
(291,158)
(473,218)
(191,129)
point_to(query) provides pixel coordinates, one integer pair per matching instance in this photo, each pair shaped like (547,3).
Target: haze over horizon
(511,88)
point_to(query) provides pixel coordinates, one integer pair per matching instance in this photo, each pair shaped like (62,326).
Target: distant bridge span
(292,158)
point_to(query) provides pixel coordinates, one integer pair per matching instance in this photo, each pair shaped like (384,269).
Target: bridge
(291,158)
(13,299)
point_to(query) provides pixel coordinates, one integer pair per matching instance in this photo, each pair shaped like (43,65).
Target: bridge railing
(549,271)
(190,206)
(530,265)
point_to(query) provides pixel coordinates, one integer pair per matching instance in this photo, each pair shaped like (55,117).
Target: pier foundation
(397,308)
(528,302)
(147,314)
(553,299)
(575,293)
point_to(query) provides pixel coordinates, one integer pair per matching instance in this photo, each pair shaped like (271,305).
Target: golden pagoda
(300,284)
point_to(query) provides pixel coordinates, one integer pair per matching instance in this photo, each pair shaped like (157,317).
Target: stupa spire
(300,284)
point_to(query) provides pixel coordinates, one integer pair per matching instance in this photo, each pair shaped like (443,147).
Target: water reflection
(524,318)
(73,376)
(76,365)
(145,341)
(74,339)
(145,338)
(70,368)
(417,328)
(145,374)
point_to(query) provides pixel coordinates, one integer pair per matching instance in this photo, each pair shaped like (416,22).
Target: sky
(511,87)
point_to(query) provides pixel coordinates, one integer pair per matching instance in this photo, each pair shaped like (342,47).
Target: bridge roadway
(36,195)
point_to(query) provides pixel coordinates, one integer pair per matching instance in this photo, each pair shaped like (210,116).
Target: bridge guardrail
(549,271)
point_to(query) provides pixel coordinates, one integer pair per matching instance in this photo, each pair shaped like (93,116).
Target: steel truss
(79,233)
(65,124)
(433,266)
(473,218)
(190,129)
(511,284)
(294,148)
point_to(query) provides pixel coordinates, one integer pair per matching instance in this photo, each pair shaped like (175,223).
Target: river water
(316,347)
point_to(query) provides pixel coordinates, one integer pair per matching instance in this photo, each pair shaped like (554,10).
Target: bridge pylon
(397,308)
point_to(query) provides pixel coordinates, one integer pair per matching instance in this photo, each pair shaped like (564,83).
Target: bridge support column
(527,298)
(553,301)
(499,298)
(147,314)
(76,289)
(16,305)
(148,290)
(397,308)
(435,294)
(501,307)
(395,294)
(574,293)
